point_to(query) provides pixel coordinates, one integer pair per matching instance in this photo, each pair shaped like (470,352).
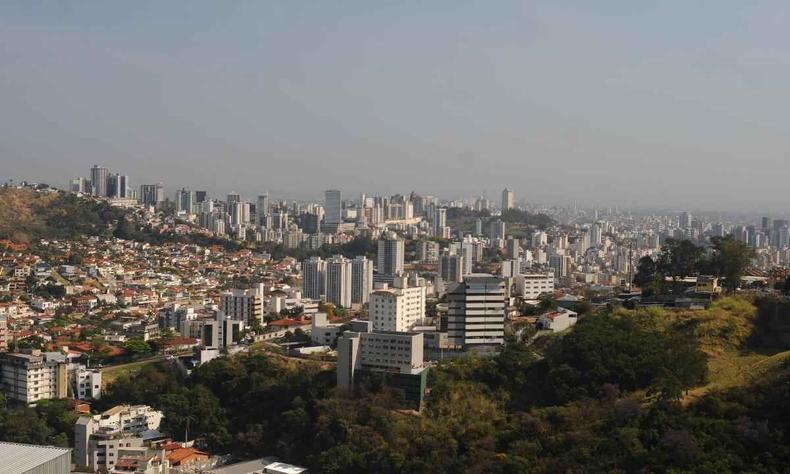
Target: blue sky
(673,104)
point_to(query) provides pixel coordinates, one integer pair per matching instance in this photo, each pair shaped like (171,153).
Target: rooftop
(21,458)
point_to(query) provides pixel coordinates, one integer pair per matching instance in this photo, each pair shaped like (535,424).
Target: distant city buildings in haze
(507,199)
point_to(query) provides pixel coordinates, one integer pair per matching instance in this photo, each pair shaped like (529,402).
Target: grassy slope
(723,331)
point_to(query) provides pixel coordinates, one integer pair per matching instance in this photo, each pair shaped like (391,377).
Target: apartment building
(398,308)
(99,439)
(243,304)
(32,376)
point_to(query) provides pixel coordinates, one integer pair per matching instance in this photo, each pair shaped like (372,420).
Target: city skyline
(558,103)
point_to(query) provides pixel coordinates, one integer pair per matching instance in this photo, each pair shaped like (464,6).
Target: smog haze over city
(618,103)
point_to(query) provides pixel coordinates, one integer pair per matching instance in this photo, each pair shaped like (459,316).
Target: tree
(645,271)
(679,258)
(730,260)
(137,347)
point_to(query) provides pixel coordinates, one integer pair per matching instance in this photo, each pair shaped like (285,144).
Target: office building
(313,274)
(152,194)
(33,376)
(390,255)
(396,357)
(243,304)
(184,200)
(333,207)
(476,312)
(559,263)
(531,286)
(80,185)
(451,268)
(507,199)
(118,186)
(361,280)
(399,308)
(338,281)
(221,332)
(99,176)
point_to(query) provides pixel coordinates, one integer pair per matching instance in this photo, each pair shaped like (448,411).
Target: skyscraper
(507,199)
(262,209)
(332,207)
(451,268)
(390,255)
(439,221)
(184,201)
(684,221)
(313,283)
(80,185)
(476,312)
(99,180)
(152,194)
(361,279)
(497,230)
(338,281)
(118,186)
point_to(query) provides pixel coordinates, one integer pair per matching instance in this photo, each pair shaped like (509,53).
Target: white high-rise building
(338,281)
(428,251)
(313,282)
(262,209)
(361,279)
(333,207)
(507,199)
(243,304)
(399,308)
(596,235)
(390,255)
(476,312)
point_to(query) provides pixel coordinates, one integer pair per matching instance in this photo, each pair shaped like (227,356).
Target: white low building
(531,286)
(559,320)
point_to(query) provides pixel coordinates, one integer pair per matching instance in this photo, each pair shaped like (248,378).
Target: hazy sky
(673,103)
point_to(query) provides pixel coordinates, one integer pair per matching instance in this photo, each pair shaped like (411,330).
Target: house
(186,458)
(559,320)
(708,285)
